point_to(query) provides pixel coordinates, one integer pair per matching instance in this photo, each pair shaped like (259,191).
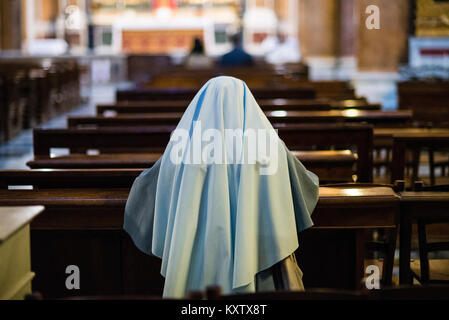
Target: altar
(166,27)
(161,36)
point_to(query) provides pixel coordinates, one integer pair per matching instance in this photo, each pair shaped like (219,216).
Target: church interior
(91,91)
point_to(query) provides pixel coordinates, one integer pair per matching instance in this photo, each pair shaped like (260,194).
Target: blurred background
(112,38)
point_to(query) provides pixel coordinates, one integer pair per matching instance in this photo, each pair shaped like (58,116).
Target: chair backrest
(431,218)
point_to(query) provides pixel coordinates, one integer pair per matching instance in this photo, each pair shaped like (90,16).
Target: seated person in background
(285,50)
(237,57)
(197,59)
(230,217)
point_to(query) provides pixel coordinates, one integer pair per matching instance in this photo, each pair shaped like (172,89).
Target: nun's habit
(221,220)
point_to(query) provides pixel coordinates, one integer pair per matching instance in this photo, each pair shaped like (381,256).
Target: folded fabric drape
(222,218)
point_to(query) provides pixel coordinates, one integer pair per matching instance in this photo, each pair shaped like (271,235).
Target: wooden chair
(424,208)
(385,246)
(414,141)
(430,270)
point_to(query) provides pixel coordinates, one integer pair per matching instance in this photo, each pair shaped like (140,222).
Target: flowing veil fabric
(220,223)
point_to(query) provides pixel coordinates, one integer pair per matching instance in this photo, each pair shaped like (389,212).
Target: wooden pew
(383,140)
(266,105)
(386,118)
(143,67)
(152,139)
(330,166)
(145,94)
(14,103)
(429,100)
(254,78)
(383,137)
(331,89)
(258,75)
(81,227)
(415,140)
(359,104)
(69,178)
(181,106)
(84,227)
(34,90)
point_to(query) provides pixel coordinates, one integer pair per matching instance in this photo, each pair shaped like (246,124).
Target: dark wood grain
(147,139)
(277,116)
(415,141)
(144,94)
(79,223)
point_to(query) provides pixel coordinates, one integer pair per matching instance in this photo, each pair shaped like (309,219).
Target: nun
(224,204)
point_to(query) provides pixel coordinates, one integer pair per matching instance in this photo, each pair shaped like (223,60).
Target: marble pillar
(381,51)
(327,37)
(10,25)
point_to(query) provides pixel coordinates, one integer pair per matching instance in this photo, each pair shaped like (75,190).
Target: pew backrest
(357,137)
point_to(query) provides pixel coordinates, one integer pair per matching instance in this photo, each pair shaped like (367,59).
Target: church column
(281,8)
(319,36)
(348,35)
(380,51)
(287,13)
(10,25)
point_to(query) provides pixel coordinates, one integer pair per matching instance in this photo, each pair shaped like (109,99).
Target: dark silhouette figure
(237,56)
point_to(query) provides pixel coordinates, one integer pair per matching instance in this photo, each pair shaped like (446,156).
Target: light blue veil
(220,223)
